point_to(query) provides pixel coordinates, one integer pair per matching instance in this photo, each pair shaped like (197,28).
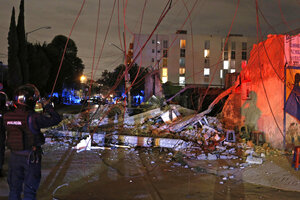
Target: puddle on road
(148,174)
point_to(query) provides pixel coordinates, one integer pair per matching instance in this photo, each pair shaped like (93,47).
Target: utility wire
(259,36)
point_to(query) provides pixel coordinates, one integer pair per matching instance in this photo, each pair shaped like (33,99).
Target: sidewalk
(275,172)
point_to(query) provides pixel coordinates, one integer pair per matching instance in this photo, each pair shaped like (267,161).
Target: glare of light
(232,70)
(164,72)
(164,79)
(206,53)
(181,80)
(225,64)
(82,78)
(206,71)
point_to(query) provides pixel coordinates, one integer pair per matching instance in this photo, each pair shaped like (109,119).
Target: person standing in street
(25,140)
(3,99)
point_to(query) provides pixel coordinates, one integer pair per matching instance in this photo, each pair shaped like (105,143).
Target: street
(141,173)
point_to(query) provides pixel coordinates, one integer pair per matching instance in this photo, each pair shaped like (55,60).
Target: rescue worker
(3,99)
(25,139)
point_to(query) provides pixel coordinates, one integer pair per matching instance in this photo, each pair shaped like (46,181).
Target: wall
(262,109)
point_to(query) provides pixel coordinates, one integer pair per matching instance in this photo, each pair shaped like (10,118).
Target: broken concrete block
(209,129)
(230,136)
(224,157)
(84,144)
(168,116)
(253,160)
(202,157)
(211,157)
(217,137)
(176,144)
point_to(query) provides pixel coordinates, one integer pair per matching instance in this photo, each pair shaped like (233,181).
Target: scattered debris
(198,137)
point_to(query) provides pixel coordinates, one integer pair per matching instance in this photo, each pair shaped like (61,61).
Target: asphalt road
(135,174)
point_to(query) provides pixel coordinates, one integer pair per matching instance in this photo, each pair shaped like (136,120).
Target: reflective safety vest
(19,136)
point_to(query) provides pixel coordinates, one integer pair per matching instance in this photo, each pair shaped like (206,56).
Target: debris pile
(200,137)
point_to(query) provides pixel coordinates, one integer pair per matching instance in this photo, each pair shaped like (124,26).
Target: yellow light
(82,78)
(206,53)
(182,44)
(164,72)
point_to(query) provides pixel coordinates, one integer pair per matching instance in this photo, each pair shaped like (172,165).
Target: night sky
(208,17)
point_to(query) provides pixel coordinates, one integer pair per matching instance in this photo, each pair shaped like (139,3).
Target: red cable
(193,61)
(173,39)
(61,61)
(258,33)
(121,45)
(282,16)
(222,51)
(95,41)
(108,27)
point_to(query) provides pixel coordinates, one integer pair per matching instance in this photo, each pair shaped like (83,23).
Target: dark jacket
(23,127)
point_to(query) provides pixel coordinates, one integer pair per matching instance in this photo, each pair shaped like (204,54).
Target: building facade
(186,59)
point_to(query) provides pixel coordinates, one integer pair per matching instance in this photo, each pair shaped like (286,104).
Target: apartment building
(186,59)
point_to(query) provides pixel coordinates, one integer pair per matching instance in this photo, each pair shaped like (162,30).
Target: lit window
(232,70)
(182,62)
(206,71)
(225,64)
(221,73)
(182,44)
(181,71)
(165,62)
(164,72)
(164,79)
(206,53)
(181,80)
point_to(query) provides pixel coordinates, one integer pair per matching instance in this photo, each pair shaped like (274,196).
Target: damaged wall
(258,101)
(153,85)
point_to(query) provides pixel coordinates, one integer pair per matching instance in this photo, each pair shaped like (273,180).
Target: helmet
(3,99)
(27,95)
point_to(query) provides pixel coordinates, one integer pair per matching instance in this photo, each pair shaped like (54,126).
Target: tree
(22,51)
(72,66)
(15,78)
(110,79)
(139,83)
(39,66)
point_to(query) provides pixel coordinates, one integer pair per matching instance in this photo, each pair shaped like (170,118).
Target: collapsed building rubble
(200,138)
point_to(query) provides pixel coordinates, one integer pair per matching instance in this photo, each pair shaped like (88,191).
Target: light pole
(127,85)
(43,27)
(83,81)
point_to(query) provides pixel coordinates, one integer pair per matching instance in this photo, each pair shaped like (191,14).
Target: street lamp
(43,27)
(83,79)
(126,73)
